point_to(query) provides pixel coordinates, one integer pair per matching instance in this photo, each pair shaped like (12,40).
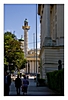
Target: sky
(14,16)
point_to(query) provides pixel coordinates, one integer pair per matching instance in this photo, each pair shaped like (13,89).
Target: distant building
(51,36)
(30,66)
(31,61)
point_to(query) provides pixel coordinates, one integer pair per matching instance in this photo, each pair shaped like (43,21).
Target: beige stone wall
(53,54)
(56,23)
(50,57)
(60,22)
(53,21)
(45,23)
(42,57)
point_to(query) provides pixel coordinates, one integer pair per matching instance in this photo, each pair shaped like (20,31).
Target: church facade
(31,67)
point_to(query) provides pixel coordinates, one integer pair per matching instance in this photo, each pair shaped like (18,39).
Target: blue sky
(14,16)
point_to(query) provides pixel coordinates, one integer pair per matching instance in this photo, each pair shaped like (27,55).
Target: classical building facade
(31,62)
(51,36)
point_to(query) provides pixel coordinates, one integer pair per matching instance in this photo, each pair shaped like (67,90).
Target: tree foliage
(12,51)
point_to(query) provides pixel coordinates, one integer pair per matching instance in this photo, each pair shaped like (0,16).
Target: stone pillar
(31,66)
(34,66)
(47,8)
(47,40)
(25,42)
(27,67)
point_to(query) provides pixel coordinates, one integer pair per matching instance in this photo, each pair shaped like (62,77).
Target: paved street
(32,90)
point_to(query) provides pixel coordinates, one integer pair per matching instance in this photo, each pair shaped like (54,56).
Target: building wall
(45,24)
(56,22)
(60,20)
(31,58)
(32,66)
(50,57)
(52,25)
(60,26)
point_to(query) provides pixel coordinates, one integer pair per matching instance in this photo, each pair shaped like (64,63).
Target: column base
(47,41)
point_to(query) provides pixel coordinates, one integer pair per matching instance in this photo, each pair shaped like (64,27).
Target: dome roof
(21,39)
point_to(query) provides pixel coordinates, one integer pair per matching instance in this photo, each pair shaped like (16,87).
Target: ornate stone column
(31,66)
(28,67)
(34,66)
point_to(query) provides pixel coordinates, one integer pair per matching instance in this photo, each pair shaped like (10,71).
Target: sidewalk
(33,90)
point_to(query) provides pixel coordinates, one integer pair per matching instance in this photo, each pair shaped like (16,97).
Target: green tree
(12,51)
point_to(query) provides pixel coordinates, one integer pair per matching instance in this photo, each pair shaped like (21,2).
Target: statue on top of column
(26,22)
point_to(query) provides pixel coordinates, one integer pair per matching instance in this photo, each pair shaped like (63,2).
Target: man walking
(18,85)
(7,82)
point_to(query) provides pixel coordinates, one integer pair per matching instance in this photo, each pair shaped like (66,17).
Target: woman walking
(24,85)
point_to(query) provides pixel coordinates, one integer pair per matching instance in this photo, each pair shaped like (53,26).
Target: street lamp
(36,44)
(34,50)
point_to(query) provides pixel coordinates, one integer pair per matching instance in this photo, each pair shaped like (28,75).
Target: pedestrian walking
(24,85)
(7,83)
(18,85)
(28,80)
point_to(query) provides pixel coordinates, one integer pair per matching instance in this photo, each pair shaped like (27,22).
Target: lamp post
(34,51)
(36,44)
